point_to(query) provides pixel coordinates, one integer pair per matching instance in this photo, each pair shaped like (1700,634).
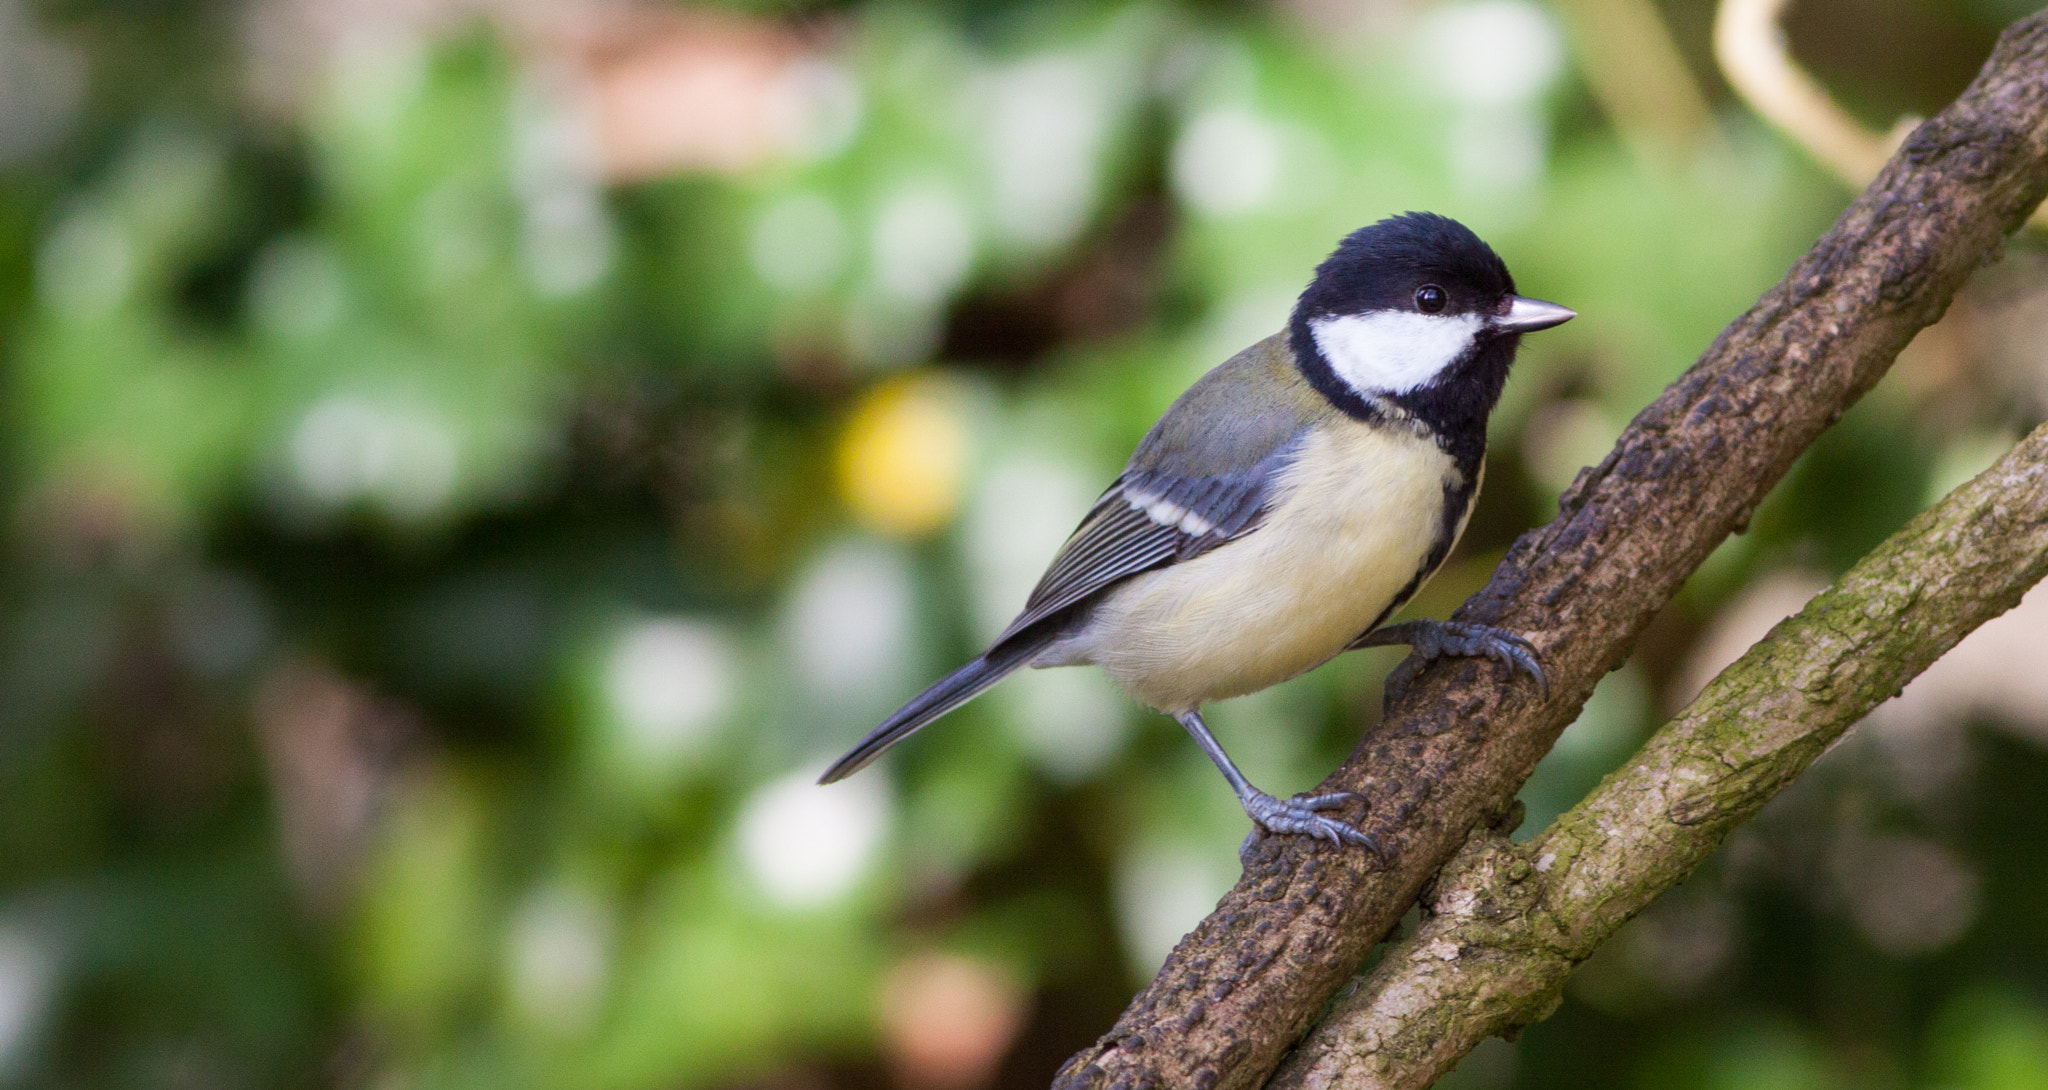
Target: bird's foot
(1298,815)
(1436,639)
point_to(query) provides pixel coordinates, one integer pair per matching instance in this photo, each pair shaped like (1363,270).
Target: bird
(1286,505)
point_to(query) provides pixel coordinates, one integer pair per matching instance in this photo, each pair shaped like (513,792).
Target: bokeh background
(468,463)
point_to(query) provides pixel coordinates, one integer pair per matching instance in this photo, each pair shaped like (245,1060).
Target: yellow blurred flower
(903,456)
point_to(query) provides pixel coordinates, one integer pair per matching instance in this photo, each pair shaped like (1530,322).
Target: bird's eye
(1430,299)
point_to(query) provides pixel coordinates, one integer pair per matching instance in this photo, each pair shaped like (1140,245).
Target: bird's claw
(1298,815)
(1512,652)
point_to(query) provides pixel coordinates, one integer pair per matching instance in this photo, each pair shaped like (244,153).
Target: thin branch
(1458,741)
(1750,46)
(1512,922)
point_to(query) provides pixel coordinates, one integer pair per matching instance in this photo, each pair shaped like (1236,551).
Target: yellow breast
(1352,521)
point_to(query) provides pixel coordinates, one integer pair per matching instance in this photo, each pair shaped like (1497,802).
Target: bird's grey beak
(1526,315)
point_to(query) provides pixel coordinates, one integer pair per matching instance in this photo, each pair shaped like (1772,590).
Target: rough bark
(1457,742)
(1511,922)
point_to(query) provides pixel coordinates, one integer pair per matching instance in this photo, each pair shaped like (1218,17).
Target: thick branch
(1512,922)
(1457,742)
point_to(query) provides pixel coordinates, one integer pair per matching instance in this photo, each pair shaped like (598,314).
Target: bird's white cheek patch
(1392,352)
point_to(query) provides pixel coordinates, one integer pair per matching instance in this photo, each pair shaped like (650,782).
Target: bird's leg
(1435,639)
(1295,815)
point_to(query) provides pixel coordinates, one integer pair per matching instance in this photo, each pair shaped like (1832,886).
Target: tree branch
(1457,742)
(1512,922)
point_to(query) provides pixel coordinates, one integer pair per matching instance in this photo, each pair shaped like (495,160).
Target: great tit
(1287,504)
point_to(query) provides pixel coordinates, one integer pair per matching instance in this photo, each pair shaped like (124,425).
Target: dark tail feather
(957,688)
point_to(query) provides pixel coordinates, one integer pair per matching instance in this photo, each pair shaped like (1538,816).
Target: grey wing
(1202,476)
(1148,519)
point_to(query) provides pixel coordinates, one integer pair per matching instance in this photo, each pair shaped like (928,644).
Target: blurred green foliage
(452,515)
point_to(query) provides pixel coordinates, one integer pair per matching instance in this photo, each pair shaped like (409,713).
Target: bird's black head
(1387,267)
(1415,310)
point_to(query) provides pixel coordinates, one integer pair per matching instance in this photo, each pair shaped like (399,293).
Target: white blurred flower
(1047,120)
(566,240)
(923,242)
(1162,892)
(1494,59)
(848,624)
(1490,52)
(813,109)
(1498,151)
(799,244)
(1072,722)
(670,683)
(560,942)
(1228,161)
(807,845)
(553,140)
(402,457)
